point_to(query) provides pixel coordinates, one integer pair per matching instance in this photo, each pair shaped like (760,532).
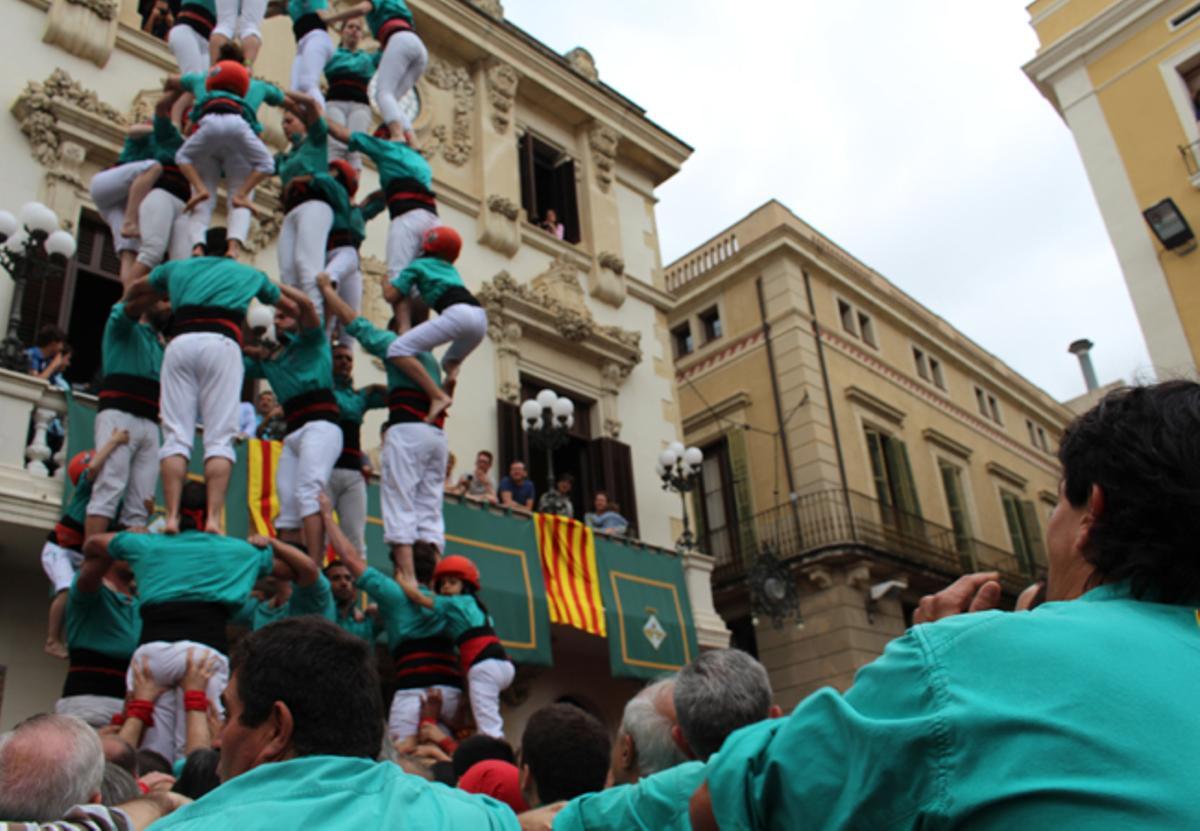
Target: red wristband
(428,720)
(143,787)
(195,700)
(140,709)
(448,746)
(118,719)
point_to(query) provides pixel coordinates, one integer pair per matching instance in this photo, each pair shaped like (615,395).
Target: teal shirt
(167,140)
(369,628)
(316,599)
(129,347)
(305,364)
(308,157)
(259,93)
(196,84)
(301,8)
(213,281)
(338,792)
(353,64)
(192,566)
(137,149)
(77,506)
(208,5)
(461,612)
(431,276)
(653,803)
(103,621)
(384,10)
(257,613)
(376,342)
(394,159)
(1070,716)
(349,218)
(355,403)
(403,620)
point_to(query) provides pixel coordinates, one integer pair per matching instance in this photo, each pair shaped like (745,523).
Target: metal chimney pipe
(1081,349)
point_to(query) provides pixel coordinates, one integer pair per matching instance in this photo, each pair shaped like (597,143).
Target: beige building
(857,434)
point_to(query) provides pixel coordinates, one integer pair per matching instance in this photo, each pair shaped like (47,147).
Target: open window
(710,321)
(548,184)
(681,339)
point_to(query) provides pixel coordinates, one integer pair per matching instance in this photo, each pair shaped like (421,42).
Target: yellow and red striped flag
(567,550)
(262,460)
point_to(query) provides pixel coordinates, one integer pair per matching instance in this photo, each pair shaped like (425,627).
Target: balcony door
(717,510)
(895,488)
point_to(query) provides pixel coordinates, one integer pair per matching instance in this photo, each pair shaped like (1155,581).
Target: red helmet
(78,465)
(382,131)
(229,76)
(345,173)
(458,566)
(442,242)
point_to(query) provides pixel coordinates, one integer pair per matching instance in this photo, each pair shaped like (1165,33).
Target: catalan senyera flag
(567,549)
(262,460)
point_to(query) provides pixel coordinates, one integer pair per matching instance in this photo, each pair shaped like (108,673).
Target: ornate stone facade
(39,109)
(603,142)
(502,80)
(86,28)
(453,141)
(581,61)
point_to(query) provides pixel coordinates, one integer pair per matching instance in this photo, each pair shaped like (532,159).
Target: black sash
(426,662)
(132,394)
(215,319)
(352,455)
(340,239)
(198,18)
(298,193)
(404,195)
(94,673)
(314,405)
(454,296)
(407,406)
(185,620)
(220,106)
(174,182)
(347,88)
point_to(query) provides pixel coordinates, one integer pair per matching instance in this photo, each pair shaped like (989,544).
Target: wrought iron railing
(837,519)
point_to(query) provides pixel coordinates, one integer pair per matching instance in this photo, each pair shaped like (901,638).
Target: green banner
(649,618)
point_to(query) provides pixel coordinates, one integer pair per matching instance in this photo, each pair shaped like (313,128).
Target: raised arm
(307,312)
(338,131)
(291,563)
(118,438)
(304,106)
(141,294)
(96,558)
(334,304)
(357,10)
(413,592)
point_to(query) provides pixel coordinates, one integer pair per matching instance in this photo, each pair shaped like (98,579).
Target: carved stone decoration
(498,226)
(374,307)
(453,141)
(581,61)
(606,280)
(492,7)
(560,285)
(85,28)
(502,80)
(69,164)
(38,106)
(612,428)
(603,141)
(143,105)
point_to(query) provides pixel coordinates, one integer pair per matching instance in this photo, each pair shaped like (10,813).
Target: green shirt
(403,620)
(376,342)
(653,803)
(257,613)
(103,621)
(395,159)
(208,5)
(1073,715)
(338,792)
(167,140)
(461,612)
(349,217)
(301,8)
(259,93)
(316,599)
(137,149)
(353,64)
(130,347)
(307,157)
(192,566)
(305,364)
(368,628)
(355,403)
(384,10)
(213,281)
(431,276)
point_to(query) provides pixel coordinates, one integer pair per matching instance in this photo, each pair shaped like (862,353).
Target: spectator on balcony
(478,483)
(449,485)
(1021,720)
(49,355)
(551,225)
(558,501)
(605,516)
(515,489)
(272,426)
(158,20)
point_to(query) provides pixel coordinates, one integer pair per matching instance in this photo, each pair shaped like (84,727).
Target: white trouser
(165,229)
(341,265)
(485,681)
(110,194)
(224,143)
(404,238)
(60,565)
(96,710)
(131,470)
(348,492)
(190,50)
(312,53)
(201,371)
(304,466)
(302,241)
(240,19)
(461,325)
(414,478)
(167,663)
(355,116)
(404,719)
(404,60)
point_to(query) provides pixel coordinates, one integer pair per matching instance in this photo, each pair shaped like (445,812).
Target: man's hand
(119,436)
(431,705)
(540,819)
(977,592)
(259,541)
(325,505)
(200,668)
(144,687)
(157,782)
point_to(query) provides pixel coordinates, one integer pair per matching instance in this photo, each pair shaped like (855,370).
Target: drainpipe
(779,420)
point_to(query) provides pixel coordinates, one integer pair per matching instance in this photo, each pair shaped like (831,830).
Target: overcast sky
(906,132)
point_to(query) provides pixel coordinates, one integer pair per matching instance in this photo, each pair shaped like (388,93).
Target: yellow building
(871,445)
(1125,77)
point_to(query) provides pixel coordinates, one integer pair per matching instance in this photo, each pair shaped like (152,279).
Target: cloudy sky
(905,131)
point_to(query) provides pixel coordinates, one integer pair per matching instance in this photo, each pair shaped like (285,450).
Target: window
(935,371)
(956,506)
(929,368)
(1037,436)
(857,322)
(710,321)
(1042,442)
(981,402)
(867,328)
(922,363)
(1021,518)
(681,337)
(989,407)
(717,508)
(548,184)
(894,485)
(846,313)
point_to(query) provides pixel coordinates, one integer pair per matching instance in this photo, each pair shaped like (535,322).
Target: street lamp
(679,469)
(547,420)
(32,246)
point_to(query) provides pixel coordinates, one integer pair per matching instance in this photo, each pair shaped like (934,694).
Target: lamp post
(32,246)
(547,419)
(679,469)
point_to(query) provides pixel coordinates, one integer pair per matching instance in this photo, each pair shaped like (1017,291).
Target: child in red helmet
(482,657)
(461,321)
(63,552)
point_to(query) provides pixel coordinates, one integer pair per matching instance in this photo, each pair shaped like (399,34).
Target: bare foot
(213,526)
(437,406)
(242,201)
(130,229)
(171,525)
(198,196)
(233,250)
(449,384)
(396,131)
(56,649)
(410,138)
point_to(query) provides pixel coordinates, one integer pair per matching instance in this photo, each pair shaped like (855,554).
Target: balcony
(838,520)
(1191,161)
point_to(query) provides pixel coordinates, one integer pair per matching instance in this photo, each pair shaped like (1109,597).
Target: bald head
(645,744)
(48,764)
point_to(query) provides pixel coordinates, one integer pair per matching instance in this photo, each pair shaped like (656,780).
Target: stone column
(711,632)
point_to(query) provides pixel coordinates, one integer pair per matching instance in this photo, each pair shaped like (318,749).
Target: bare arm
(96,561)
(199,670)
(334,304)
(146,810)
(118,438)
(307,312)
(300,567)
(338,131)
(140,130)
(141,294)
(304,106)
(413,592)
(357,10)
(390,294)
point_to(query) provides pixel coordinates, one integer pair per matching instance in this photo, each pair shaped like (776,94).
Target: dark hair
(193,505)
(480,748)
(335,564)
(231,51)
(425,560)
(118,785)
(199,775)
(567,751)
(150,762)
(120,753)
(565,477)
(48,334)
(1141,447)
(443,772)
(325,677)
(487,453)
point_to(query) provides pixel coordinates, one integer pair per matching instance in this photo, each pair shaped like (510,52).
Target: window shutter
(1033,536)
(568,213)
(612,467)
(739,470)
(883,491)
(528,182)
(1016,530)
(510,437)
(902,477)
